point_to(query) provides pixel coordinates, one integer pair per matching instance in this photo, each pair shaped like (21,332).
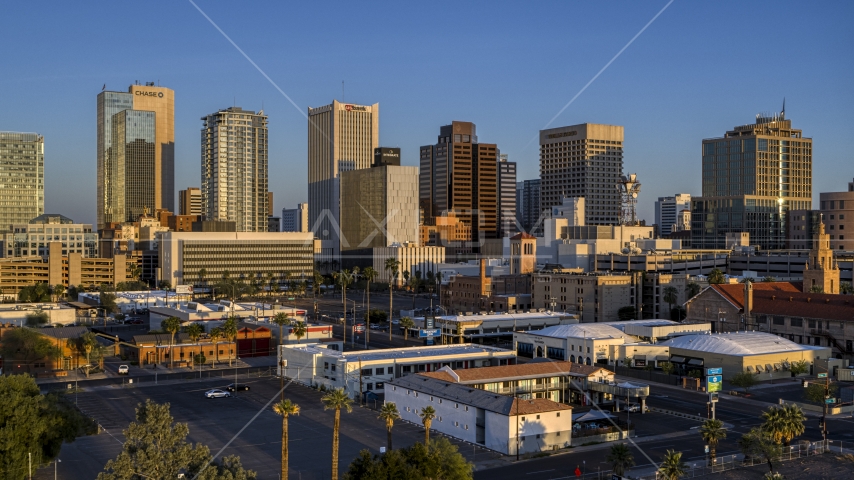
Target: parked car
(217,393)
(233,387)
(123,369)
(634,407)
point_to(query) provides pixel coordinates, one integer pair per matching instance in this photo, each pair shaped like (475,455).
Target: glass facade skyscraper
(138,171)
(752,177)
(21,178)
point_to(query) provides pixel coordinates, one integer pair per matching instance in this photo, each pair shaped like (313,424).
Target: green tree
(216,336)
(37,319)
(299,329)
(745,380)
(37,293)
(671,295)
(84,345)
(759,444)
(815,393)
(627,313)
(621,459)
(716,277)
(672,467)
(32,423)
(285,408)
(845,288)
(336,400)
(195,331)
(107,298)
(229,332)
(171,325)
(427,415)
(392,266)
(389,413)
(712,431)
(23,346)
(406,323)
(799,368)
(156,447)
(784,423)
(281,319)
(667,367)
(440,460)
(769,279)
(59,291)
(692,289)
(816,289)
(73,292)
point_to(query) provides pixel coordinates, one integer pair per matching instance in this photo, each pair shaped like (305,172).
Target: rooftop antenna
(783,113)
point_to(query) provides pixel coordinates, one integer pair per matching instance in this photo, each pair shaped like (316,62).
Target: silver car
(217,393)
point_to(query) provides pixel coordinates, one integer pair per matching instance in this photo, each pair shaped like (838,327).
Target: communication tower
(629,188)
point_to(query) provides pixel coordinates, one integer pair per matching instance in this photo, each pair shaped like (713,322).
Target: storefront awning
(750,369)
(676,359)
(695,361)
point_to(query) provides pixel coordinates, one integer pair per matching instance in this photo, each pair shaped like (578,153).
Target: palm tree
(406,276)
(620,458)
(389,414)
(299,329)
(692,289)
(406,323)
(716,277)
(202,274)
(712,431)
(281,319)
(370,275)
(344,278)
(171,325)
(216,336)
(670,296)
(768,279)
(194,331)
(229,331)
(783,423)
(392,266)
(672,467)
(336,400)
(427,415)
(285,408)
(270,283)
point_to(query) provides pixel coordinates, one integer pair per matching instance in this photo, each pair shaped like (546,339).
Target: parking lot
(215,422)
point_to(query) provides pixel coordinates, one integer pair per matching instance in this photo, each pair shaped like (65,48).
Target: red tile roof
(521,235)
(783,298)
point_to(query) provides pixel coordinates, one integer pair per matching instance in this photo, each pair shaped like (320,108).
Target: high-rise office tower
(21,177)
(270,204)
(752,177)
(507,197)
(137,169)
(379,205)
(295,219)
(667,210)
(190,201)
(460,175)
(583,160)
(234,168)
(341,137)
(528,205)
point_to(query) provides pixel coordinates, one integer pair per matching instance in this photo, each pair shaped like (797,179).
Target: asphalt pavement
(243,425)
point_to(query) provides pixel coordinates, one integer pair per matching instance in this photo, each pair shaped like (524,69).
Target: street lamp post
(54,467)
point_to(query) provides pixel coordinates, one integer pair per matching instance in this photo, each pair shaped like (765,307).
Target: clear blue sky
(701,68)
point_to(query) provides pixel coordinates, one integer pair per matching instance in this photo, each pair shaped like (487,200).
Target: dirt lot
(820,467)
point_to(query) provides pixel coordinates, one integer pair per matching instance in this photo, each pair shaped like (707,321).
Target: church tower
(821,272)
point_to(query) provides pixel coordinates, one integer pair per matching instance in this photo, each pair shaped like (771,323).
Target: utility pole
(824,415)
(360,381)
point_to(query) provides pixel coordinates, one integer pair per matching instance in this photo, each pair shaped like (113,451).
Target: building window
(538,417)
(558,414)
(370,386)
(367,371)
(326,365)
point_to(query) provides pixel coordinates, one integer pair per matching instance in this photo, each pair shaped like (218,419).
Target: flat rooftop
(409,353)
(503,317)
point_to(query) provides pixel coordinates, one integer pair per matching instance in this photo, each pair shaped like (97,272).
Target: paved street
(215,422)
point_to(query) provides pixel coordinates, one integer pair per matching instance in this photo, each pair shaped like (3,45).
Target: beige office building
(234,168)
(295,219)
(379,207)
(21,177)
(190,201)
(341,137)
(837,209)
(583,160)
(245,255)
(412,258)
(135,152)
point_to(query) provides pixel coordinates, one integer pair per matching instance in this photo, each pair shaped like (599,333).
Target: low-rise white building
(476,328)
(604,343)
(369,370)
(202,312)
(495,421)
(57,314)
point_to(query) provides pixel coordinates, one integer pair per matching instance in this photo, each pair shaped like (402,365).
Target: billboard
(714,383)
(183,289)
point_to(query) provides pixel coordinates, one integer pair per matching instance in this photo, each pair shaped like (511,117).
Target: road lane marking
(541,471)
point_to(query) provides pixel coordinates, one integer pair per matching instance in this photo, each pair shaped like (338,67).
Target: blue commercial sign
(714,371)
(424,333)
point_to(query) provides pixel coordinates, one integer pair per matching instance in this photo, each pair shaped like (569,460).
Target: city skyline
(662,83)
